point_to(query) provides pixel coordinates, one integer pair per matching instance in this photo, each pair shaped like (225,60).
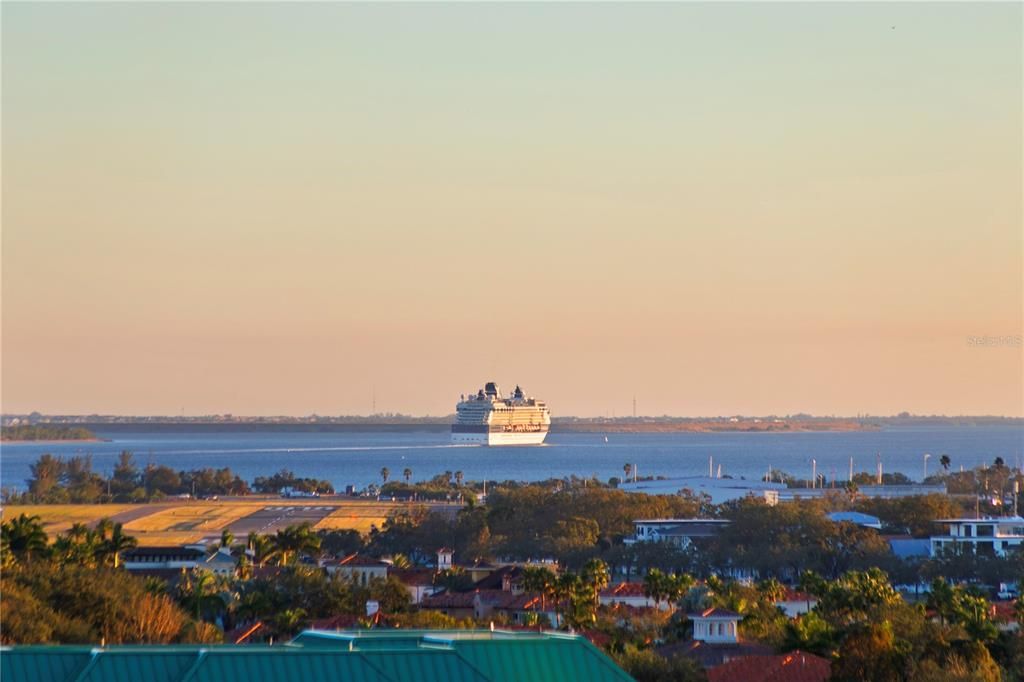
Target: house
(907,547)
(418,581)
(171,557)
(795,666)
(986,536)
(680,532)
(795,603)
(360,570)
(445,559)
(716,626)
(220,563)
(454,604)
(629,594)
(864,520)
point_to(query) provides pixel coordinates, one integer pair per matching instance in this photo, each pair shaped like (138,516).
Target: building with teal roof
(346,656)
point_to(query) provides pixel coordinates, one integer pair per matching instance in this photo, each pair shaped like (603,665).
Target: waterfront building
(985,536)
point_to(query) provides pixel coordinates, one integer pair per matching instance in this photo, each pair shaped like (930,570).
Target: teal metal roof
(277,664)
(353,656)
(44,663)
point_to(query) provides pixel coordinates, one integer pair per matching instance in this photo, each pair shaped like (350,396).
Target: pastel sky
(289,208)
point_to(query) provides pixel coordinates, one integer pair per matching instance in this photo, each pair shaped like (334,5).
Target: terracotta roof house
(418,581)
(796,603)
(358,568)
(629,594)
(795,666)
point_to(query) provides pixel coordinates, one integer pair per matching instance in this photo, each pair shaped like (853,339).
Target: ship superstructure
(488,418)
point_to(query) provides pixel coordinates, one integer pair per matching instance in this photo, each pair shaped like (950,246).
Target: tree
(407,473)
(458,478)
(539,579)
(24,537)
(117,542)
(945,461)
(197,593)
(627,469)
(385,473)
(595,575)
(295,540)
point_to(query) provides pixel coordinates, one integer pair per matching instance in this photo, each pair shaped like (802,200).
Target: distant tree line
(59,480)
(45,432)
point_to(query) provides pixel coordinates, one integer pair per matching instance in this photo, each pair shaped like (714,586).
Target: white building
(679,532)
(717,490)
(716,626)
(986,536)
(162,558)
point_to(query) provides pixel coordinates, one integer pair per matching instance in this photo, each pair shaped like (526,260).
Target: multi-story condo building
(985,536)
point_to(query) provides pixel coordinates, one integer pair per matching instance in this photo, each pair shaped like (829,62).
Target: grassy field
(203,517)
(181,522)
(57,518)
(358,517)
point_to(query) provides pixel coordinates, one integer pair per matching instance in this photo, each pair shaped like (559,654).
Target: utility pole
(878,465)
(851,469)
(814,473)
(926,457)
(711,467)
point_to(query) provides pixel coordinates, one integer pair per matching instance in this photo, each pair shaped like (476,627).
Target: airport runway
(276,517)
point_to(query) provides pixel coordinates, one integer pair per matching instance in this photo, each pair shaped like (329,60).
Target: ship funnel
(491,389)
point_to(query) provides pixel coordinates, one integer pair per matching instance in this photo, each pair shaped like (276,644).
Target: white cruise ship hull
(533,438)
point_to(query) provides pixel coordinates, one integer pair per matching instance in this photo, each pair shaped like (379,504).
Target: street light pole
(926,458)
(814,473)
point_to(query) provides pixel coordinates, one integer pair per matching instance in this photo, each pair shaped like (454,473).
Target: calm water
(357,457)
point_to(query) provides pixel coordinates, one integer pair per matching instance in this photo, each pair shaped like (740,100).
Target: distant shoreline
(54,441)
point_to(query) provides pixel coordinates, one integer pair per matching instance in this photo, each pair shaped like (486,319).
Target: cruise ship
(487,418)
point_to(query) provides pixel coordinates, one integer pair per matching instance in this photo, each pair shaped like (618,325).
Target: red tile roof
(794,595)
(449,600)
(414,576)
(715,612)
(624,590)
(796,666)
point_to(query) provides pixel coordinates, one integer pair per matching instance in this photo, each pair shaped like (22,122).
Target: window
(985,531)
(967,531)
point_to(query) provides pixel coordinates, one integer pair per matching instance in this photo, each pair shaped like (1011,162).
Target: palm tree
(564,590)
(226,538)
(262,549)
(287,622)
(945,461)
(103,527)
(385,473)
(295,540)
(117,542)
(655,586)
(458,478)
(407,473)
(539,579)
(197,592)
(23,536)
(772,589)
(595,574)
(627,469)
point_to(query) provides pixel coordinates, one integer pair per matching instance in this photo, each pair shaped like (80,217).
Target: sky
(284,208)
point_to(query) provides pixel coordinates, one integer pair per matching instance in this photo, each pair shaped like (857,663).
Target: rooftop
(359,656)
